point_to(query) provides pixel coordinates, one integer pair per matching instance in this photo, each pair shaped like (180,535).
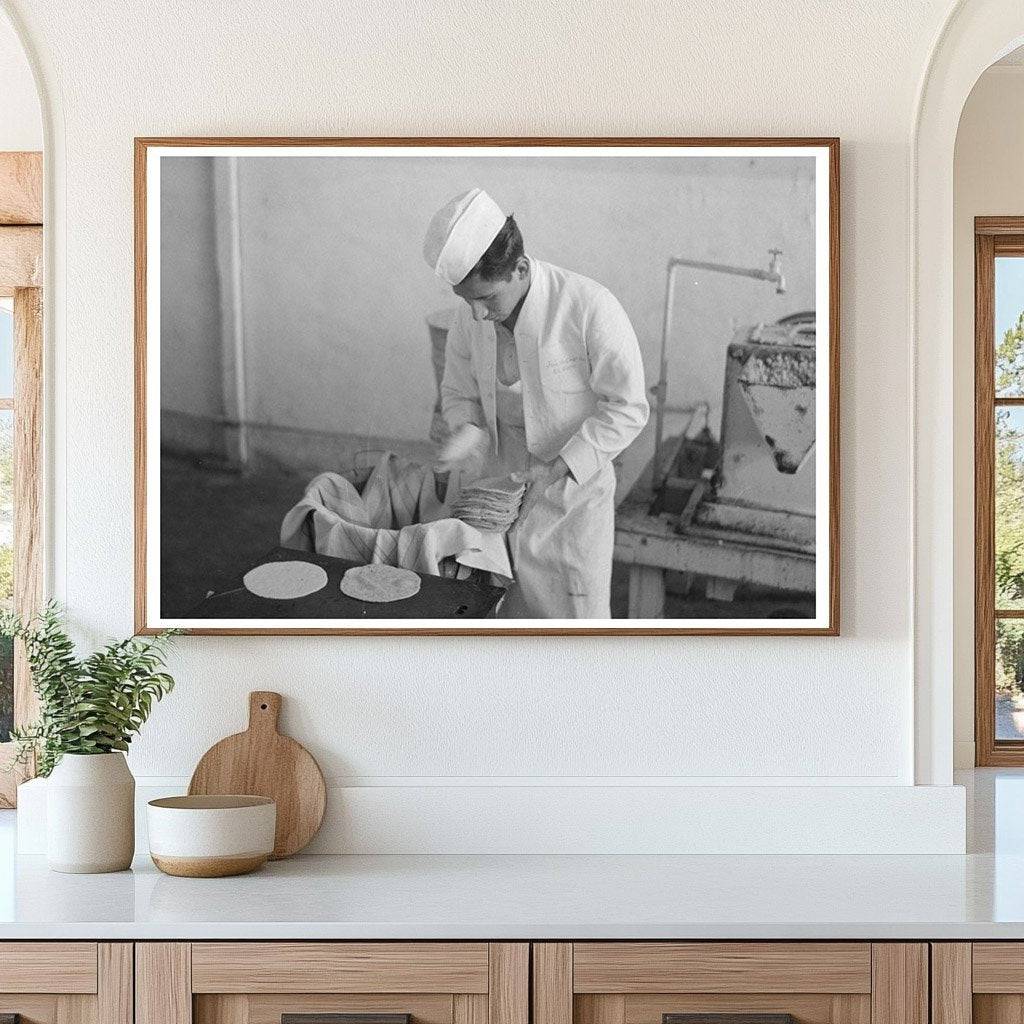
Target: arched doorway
(975,35)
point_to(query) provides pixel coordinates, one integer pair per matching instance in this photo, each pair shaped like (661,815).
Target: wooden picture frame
(650,558)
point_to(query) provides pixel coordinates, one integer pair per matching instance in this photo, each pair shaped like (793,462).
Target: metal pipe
(773,275)
(238,402)
(661,388)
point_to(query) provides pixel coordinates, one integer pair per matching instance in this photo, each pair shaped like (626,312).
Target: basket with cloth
(391,514)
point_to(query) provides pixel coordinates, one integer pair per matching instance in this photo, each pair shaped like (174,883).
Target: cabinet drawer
(981,982)
(340,967)
(635,967)
(66,982)
(262,982)
(998,967)
(48,967)
(737,982)
(271,1009)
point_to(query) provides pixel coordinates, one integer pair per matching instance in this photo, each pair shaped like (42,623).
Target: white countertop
(532,897)
(977,896)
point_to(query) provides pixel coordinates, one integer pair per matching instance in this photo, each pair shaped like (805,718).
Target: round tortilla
(380,583)
(285,581)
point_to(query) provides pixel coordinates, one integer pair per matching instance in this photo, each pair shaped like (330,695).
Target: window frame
(993,237)
(21,261)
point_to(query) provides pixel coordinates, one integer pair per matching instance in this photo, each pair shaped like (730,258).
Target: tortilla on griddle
(380,584)
(285,581)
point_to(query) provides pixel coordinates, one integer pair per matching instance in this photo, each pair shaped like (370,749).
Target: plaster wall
(439,716)
(191,375)
(335,290)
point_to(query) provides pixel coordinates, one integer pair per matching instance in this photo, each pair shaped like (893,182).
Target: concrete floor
(215,524)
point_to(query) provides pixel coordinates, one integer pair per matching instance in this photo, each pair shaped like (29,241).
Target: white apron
(561,550)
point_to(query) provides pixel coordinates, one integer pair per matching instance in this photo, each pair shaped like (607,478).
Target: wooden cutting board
(262,762)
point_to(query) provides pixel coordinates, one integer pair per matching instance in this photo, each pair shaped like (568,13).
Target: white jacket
(583,379)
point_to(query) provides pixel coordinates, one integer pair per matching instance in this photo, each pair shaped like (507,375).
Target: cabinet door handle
(728,1018)
(339,1018)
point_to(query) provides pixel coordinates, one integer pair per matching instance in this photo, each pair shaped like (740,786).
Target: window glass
(6,348)
(1009,327)
(1009,679)
(1005,403)
(1009,511)
(6,567)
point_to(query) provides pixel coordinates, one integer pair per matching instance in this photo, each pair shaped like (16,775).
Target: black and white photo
(459,386)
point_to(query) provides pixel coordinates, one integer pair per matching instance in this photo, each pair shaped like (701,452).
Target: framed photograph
(487,386)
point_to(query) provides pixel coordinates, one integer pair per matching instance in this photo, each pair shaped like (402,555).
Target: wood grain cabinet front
(979,982)
(66,982)
(332,983)
(730,983)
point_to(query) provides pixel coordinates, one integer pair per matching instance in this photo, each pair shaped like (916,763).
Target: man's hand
(466,447)
(538,479)
(548,473)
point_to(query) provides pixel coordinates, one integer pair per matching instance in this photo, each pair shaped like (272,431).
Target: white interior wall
(987,182)
(335,289)
(382,713)
(191,376)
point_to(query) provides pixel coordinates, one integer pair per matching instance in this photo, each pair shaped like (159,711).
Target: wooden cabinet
(260,982)
(66,982)
(980,982)
(494,983)
(649,982)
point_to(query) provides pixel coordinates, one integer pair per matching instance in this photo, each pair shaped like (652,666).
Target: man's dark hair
(502,254)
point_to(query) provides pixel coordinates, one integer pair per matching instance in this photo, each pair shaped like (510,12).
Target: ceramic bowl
(211,836)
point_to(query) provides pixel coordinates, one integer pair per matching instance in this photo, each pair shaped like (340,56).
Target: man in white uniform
(545,367)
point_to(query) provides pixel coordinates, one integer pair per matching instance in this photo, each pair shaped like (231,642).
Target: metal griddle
(437,599)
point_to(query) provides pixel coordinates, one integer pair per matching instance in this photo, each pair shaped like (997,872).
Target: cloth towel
(395,518)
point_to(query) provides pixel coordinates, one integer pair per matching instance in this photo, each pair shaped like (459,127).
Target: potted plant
(89,710)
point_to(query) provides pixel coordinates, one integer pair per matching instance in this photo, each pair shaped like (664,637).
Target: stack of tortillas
(491,504)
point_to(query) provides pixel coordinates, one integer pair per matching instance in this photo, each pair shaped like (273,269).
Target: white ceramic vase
(90,814)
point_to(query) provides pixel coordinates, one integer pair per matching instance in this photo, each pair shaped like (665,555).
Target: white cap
(460,233)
